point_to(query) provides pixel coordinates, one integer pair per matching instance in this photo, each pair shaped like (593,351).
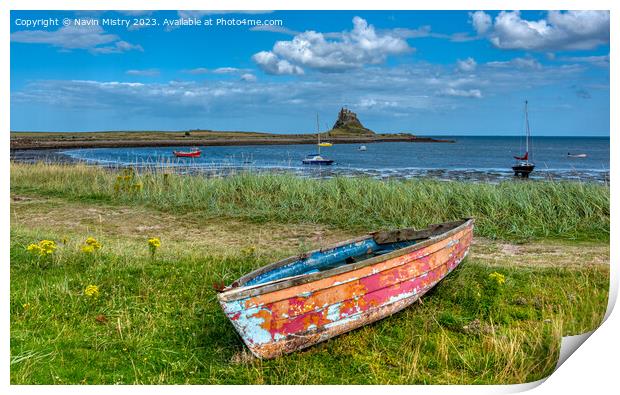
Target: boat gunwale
(240,292)
(464,251)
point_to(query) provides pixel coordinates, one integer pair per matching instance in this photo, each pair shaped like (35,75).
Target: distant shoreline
(42,141)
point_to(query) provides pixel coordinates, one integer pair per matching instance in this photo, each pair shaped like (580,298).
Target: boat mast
(527,133)
(318,133)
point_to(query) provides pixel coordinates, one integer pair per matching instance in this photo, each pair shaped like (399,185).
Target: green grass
(510,210)
(158,320)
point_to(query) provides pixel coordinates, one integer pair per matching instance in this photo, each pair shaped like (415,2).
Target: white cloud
(481,21)
(196,71)
(407,90)
(422,31)
(474,93)
(519,63)
(91,38)
(118,47)
(143,73)
(601,61)
(226,70)
(219,70)
(368,103)
(273,29)
(272,65)
(559,31)
(345,51)
(248,77)
(425,31)
(467,65)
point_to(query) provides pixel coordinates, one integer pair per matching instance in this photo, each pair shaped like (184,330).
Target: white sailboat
(317,159)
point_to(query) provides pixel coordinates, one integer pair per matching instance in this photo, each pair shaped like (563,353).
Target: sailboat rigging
(317,159)
(524,166)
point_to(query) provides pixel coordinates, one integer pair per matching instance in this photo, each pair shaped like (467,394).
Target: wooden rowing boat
(187,154)
(303,300)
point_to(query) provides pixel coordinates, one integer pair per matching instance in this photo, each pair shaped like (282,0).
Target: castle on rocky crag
(347,123)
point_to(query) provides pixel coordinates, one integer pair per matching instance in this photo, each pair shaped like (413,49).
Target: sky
(421,72)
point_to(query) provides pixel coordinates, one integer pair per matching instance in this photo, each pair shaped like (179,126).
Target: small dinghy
(194,153)
(577,156)
(303,300)
(362,148)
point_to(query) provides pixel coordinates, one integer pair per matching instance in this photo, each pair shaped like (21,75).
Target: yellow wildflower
(91,291)
(26,306)
(91,245)
(154,244)
(498,278)
(42,248)
(91,241)
(33,248)
(88,249)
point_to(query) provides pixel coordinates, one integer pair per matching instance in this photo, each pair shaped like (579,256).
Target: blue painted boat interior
(329,259)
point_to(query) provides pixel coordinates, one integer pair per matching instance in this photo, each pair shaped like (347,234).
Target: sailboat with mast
(317,159)
(524,166)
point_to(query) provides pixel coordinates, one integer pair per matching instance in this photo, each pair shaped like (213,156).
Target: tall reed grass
(509,210)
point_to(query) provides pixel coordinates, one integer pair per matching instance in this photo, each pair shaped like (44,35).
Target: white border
(592,369)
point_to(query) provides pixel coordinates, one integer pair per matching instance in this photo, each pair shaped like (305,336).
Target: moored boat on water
(194,153)
(524,166)
(317,159)
(303,300)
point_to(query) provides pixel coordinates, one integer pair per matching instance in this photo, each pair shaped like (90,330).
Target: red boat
(191,154)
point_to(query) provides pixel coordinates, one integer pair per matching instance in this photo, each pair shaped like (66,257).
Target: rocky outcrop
(347,123)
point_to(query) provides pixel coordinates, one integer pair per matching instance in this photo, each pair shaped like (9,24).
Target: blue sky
(429,73)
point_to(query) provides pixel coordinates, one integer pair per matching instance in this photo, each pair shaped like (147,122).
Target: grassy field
(156,320)
(58,140)
(140,135)
(206,135)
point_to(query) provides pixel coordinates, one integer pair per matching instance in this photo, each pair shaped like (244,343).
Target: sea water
(468,158)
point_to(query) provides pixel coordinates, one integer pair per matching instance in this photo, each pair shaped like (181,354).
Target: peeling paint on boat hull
(301,315)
